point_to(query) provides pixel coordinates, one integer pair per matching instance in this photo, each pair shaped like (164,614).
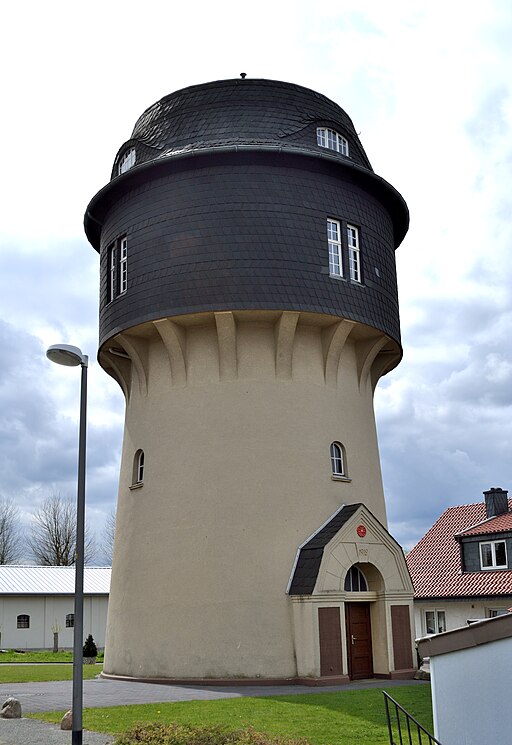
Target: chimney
(496,501)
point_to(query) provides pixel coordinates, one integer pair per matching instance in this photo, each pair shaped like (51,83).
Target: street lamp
(64,354)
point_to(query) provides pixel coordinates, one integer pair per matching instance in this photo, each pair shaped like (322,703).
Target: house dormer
(487,546)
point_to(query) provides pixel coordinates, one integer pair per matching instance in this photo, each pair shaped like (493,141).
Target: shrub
(90,648)
(180,734)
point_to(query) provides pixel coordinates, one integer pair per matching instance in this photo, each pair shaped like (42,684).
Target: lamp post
(64,354)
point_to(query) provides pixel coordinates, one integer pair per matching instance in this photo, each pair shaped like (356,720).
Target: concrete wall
(45,611)
(235,417)
(471,685)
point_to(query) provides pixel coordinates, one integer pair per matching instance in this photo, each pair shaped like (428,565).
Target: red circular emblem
(361,531)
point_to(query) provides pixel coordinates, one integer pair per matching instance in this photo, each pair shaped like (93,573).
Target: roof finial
(243,75)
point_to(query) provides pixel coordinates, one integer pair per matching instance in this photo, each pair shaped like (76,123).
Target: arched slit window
(23,621)
(70,620)
(138,467)
(338,464)
(355,581)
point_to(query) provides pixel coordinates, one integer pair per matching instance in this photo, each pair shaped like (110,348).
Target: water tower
(248,307)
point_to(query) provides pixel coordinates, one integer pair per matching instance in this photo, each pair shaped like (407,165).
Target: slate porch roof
(435,562)
(310,554)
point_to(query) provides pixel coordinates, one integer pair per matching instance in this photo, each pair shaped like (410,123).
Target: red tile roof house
(462,568)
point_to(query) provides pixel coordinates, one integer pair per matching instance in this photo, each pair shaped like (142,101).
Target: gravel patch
(34,732)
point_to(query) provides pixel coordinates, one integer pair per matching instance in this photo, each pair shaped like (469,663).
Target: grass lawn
(42,673)
(47,656)
(342,718)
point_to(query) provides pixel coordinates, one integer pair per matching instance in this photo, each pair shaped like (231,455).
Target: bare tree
(53,535)
(10,547)
(109,530)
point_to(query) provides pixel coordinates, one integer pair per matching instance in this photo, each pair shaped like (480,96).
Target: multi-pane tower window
(117,268)
(334,241)
(123,265)
(335,244)
(354,261)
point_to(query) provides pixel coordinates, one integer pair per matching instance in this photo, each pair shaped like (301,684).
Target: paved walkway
(57,695)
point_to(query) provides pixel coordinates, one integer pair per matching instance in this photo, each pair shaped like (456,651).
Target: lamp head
(65,354)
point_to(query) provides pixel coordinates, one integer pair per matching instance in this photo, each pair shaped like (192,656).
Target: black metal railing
(403,728)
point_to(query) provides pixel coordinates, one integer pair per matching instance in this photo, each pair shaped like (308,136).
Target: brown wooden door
(329,630)
(359,640)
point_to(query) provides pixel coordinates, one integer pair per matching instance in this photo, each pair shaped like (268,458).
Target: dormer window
(127,161)
(493,555)
(332,140)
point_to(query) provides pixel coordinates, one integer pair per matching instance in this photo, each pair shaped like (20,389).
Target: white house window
(493,555)
(70,621)
(354,259)
(23,621)
(338,459)
(138,468)
(127,161)
(495,612)
(332,140)
(334,242)
(355,581)
(117,268)
(435,621)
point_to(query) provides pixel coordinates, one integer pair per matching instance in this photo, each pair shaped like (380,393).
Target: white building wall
(457,613)
(471,695)
(46,612)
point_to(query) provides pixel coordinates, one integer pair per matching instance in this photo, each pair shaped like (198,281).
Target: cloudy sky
(427,84)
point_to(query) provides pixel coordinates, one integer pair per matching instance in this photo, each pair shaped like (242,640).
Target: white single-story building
(36,601)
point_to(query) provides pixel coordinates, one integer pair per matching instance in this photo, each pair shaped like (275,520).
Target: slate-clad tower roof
(238,112)
(248,307)
(253,236)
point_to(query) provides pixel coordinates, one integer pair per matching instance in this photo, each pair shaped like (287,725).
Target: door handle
(354,638)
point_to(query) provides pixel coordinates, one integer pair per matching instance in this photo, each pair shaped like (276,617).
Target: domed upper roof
(226,118)
(236,113)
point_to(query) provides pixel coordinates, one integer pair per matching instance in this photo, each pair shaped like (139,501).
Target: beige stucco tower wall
(243,355)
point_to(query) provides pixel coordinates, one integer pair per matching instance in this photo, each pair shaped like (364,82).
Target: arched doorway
(352,601)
